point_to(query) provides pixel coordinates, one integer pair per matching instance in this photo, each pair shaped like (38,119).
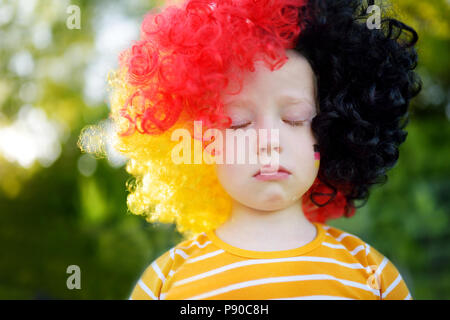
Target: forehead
(295,79)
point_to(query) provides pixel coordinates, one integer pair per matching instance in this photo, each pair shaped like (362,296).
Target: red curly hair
(187,56)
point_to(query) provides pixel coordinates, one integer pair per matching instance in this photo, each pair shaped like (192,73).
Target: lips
(281,169)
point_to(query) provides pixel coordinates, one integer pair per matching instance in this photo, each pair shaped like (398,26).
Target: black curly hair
(365,80)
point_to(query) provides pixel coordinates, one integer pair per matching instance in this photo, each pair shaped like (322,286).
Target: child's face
(273,100)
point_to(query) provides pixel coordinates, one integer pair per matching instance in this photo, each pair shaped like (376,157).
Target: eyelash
(295,123)
(239,126)
(290,122)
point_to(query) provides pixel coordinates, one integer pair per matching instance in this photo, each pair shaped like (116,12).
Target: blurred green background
(60,207)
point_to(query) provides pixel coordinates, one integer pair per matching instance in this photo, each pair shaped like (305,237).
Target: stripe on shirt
(357,249)
(263,281)
(341,236)
(334,246)
(147,290)
(381,266)
(201,246)
(205,256)
(340,246)
(367,249)
(392,286)
(181,253)
(265,261)
(158,271)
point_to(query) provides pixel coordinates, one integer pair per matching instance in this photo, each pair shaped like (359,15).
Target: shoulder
(190,247)
(386,276)
(177,255)
(340,239)
(157,273)
(357,247)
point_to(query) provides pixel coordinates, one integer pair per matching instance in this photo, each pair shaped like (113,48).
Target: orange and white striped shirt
(335,265)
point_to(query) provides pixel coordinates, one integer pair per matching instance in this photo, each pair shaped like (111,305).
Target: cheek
(230,175)
(302,156)
(305,150)
(232,179)
(302,146)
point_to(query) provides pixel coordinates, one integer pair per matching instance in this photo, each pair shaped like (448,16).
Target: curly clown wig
(187,55)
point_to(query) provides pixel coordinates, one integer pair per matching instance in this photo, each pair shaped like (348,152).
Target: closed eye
(295,123)
(239,126)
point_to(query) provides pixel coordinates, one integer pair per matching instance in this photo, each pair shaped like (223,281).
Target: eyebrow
(283,97)
(292,99)
(239,101)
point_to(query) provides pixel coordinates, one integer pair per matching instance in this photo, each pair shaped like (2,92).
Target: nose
(268,150)
(266,158)
(268,141)
(268,136)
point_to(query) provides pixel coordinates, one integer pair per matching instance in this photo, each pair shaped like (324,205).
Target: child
(331,85)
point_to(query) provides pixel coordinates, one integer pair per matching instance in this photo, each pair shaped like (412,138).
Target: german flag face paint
(316,156)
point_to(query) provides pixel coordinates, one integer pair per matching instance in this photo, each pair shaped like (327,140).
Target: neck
(259,230)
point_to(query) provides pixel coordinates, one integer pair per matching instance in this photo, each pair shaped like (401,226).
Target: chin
(271,203)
